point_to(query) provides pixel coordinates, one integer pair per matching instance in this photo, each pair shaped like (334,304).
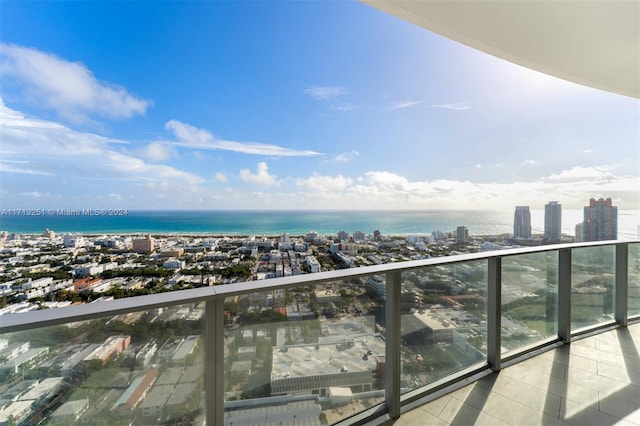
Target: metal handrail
(47,317)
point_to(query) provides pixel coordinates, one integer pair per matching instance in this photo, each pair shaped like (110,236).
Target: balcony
(385,343)
(593,381)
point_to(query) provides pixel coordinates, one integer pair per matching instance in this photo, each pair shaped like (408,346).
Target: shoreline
(237,224)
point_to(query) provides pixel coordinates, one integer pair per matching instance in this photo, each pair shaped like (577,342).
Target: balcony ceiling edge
(592,43)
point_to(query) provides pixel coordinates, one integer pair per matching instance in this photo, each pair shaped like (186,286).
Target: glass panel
(592,286)
(444,328)
(529,299)
(633,307)
(137,368)
(305,355)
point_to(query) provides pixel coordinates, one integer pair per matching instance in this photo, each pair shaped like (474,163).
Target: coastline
(238,223)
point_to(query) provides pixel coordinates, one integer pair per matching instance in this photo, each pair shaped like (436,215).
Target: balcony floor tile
(592,381)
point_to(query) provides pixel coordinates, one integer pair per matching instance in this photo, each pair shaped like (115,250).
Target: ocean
(248,222)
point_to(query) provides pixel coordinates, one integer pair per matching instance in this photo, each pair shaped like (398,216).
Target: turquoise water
(247,222)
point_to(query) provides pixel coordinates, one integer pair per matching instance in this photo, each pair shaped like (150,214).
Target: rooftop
(331,358)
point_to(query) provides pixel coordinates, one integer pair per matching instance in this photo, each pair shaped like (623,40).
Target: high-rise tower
(522,222)
(462,235)
(553,221)
(600,221)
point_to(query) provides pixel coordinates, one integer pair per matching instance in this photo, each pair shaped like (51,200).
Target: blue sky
(289,105)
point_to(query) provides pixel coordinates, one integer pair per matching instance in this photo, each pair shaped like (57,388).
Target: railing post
(214,362)
(564,295)
(622,283)
(494,306)
(392,344)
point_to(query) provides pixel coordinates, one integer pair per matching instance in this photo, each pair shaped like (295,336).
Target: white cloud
(403,104)
(43,160)
(220,177)
(192,137)
(157,152)
(527,162)
(324,184)
(387,190)
(328,94)
(579,173)
(6,166)
(261,177)
(345,157)
(35,194)
(459,106)
(69,88)
(78,165)
(325,92)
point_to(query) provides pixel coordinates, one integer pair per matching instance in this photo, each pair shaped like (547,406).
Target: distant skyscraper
(553,221)
(600,221)
(522,222)
(462,235)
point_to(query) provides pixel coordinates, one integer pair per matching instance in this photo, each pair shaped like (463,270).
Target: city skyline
(107,110)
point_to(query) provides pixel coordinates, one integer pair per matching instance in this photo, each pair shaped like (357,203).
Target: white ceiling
(593,43)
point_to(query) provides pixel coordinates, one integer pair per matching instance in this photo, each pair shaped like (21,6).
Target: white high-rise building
(462,235)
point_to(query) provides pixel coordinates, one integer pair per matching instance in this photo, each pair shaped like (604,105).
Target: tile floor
(593,381)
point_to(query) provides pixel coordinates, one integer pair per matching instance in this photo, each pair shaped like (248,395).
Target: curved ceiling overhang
(593,43)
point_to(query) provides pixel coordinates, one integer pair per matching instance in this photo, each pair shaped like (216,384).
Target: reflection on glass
(138,368)
(529,299)
(444,313)
(634,280)
(315,354)
(592,286)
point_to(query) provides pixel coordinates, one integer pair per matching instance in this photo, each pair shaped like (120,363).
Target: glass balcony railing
(444,321)
(529,311)
(634,280)
(333,347)
(592,286)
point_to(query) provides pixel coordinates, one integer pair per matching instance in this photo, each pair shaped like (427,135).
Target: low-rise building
(135,393)
(153,405)
(326,296)
(44,390)
(16,412)
(24,361)
(177,349)
(297,311)
(179,401)
(69,412)
(113,346)
(170,376)
(144,356)
(314,368)
(313,264)
(173,264)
